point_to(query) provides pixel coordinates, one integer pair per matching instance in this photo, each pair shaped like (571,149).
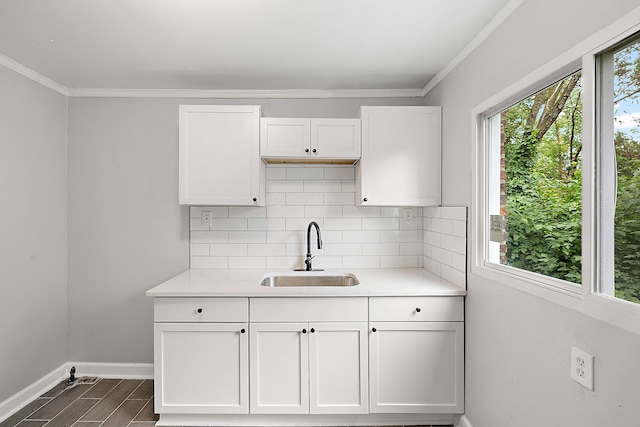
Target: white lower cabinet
(374,357)
(201,368)
(309,367)
(416,350)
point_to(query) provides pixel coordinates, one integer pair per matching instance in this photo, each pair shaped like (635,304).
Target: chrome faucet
(309,257)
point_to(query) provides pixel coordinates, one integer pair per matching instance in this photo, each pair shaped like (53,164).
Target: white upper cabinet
(401,157)
(288,139)
(219,155)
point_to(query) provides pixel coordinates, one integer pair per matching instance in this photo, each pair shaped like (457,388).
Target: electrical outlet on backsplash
(274,236)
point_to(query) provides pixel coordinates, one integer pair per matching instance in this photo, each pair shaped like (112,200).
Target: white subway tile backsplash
(247,236)
(361,262)
(228,249)
(248,212)
(304,199)
(443,226)
(305,173)
(380,223)
(339,199)
(323,186)
(381,249)
(399,261)
(209,236)
(266,224)
(285,211)
(248,262)
(365,236)
(276,199)
(274,236)
(445,246)
(361,211)
(284,186)
(342,224)
(273,173)
(342,173)
(283,263)
(314,212)
(229,224)
(210,262)
(454,244)
(199,249)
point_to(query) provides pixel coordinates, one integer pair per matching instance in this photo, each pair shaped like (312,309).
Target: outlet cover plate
(582,367)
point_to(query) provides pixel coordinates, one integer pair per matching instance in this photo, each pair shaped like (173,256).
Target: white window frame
(584,298)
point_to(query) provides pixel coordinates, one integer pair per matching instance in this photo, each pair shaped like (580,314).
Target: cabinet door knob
(255,200)
(374,330)
(365,199)
(314,150)
(306,150)
(199,310)
(242,331)
(312,330)
(304,331)
(418,309)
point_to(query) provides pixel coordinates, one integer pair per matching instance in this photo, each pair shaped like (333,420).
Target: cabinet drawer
(308,309)
(201,310)
(416,309)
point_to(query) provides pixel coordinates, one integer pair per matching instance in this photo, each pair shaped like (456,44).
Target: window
(535,183)
(618,72)
(557,178)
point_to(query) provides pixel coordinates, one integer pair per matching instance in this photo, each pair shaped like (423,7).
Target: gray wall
(127,232)
(33,232)
(518,345)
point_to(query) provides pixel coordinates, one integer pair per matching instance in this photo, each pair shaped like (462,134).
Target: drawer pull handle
(418,310)
(304,331)
(199,311)
(242,331)
(374,330)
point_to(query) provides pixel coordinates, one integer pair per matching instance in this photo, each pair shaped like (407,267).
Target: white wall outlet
(206,218)
(407,214)
(582,367)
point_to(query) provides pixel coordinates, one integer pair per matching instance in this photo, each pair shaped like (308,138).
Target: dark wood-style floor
(106,403)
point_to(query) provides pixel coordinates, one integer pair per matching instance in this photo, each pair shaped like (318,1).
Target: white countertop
(246,283)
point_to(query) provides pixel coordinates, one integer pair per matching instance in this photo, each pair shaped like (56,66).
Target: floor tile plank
(24,412)
(112,400)
(58,403)
(144,391)
(147,413)
(72,413)
(124,414)
(101,388)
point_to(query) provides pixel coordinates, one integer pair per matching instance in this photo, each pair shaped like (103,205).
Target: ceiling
(240,45)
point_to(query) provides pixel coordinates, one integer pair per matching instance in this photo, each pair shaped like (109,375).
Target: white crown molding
(33,75)
(244,94)
(498,19)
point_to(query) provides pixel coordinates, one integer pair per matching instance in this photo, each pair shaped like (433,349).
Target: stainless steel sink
(310,279)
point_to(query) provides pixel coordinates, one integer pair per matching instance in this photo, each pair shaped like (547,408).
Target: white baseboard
(464,422)
(83,369)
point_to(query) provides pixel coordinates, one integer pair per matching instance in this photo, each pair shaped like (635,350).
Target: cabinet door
(284,137)
(201,368)
(279,368)
(400,164)
(338,368)
(219,155)
(416,367)
(335,138)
